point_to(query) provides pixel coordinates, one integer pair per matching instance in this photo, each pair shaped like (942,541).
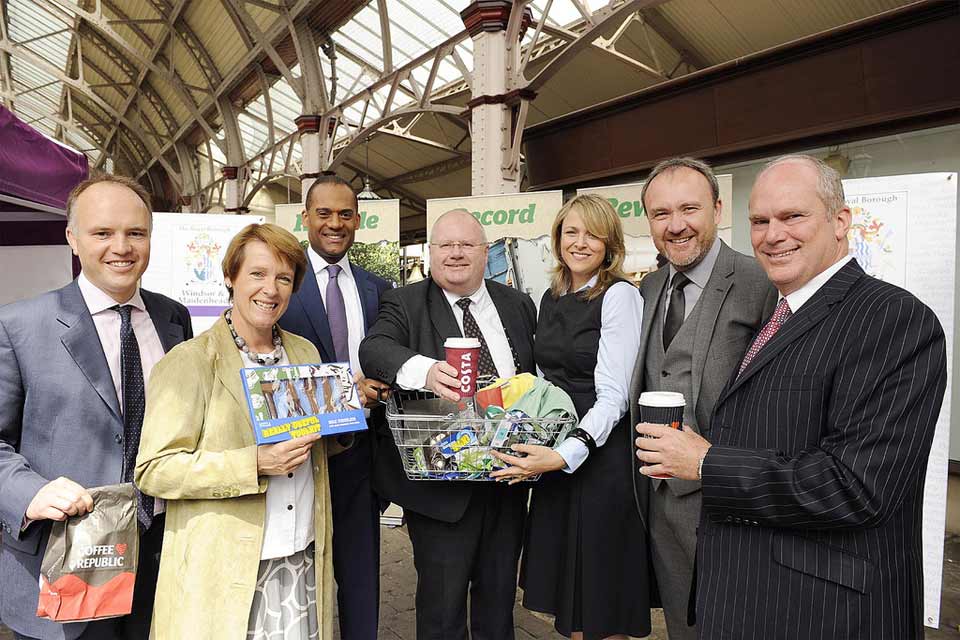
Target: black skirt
(586,556)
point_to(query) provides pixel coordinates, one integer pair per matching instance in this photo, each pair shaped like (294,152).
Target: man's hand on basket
(368,390)
(539,459)
(442,380)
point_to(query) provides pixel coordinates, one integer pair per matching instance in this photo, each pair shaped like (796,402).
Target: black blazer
(812,492)
(417,319)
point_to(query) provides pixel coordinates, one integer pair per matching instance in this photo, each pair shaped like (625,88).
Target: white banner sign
(513,215)
(379,221)
(186,250)
(890,238)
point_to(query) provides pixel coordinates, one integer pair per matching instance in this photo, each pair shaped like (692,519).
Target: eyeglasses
(466,247)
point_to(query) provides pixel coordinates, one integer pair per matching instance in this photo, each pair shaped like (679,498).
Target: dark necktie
(134,403)
(472,330)
(676,310)
(780,315)
(337,316)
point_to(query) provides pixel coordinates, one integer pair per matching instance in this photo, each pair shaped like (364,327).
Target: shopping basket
(436,442)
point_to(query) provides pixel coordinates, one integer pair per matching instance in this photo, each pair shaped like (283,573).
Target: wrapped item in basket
(90,565)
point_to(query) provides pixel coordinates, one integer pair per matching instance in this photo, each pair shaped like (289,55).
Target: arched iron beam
(264,181)
(151,96)
(100,24)
(81,87)
(254,53)
(358,136)
(601,22)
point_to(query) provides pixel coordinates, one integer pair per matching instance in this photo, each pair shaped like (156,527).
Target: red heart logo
(121,548)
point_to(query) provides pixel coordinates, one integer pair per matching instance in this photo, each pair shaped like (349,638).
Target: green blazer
(198,452)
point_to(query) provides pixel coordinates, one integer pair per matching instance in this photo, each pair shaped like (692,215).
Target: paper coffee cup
(463,354)
(662,407)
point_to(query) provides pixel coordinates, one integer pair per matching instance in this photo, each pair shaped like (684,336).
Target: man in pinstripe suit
(813,467)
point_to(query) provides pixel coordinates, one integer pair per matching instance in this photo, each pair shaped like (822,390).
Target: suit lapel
(170,333)
(368,296)
(83,344)
(654,289)
(441,315)
(310,299)
(229,363)
(811,313)
(711,300)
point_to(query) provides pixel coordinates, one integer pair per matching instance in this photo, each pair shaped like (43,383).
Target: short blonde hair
(283,244)
(602,221)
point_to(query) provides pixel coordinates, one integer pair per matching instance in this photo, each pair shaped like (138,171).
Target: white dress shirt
(351,300)
(107,322)
(288,526)
(799,297)
(621,316)
(413,373)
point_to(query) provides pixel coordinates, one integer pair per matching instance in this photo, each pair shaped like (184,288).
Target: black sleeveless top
(567,343)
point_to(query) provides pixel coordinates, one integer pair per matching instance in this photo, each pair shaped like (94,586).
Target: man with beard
(701,310)
(466,535)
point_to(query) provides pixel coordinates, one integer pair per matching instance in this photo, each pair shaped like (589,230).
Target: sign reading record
(506,216)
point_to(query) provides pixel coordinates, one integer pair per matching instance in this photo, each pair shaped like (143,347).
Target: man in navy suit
(814,463)
(62,416)
(334,307)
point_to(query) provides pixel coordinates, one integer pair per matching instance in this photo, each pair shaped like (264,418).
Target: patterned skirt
(285,600)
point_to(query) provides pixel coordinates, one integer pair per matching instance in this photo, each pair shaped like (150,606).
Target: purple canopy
(33,167)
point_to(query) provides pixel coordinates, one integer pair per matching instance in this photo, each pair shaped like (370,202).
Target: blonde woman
(585,559)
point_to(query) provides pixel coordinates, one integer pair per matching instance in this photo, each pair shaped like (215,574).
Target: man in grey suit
(73,365)
(701,310)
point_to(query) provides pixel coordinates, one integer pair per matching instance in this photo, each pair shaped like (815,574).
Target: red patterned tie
(780,315)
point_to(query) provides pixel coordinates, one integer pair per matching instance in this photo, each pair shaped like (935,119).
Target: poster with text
(186,250)
(891,238)
(377,242)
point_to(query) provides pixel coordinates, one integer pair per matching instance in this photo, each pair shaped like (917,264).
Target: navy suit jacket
(306,316)
(59,416)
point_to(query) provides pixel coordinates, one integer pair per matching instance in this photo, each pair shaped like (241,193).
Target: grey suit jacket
(59,416)
(736,302)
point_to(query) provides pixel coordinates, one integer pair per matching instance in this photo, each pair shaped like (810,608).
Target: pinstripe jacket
(812,492)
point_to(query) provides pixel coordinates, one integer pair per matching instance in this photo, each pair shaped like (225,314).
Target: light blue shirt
(620,319)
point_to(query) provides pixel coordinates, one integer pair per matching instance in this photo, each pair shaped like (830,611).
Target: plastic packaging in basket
(436,442)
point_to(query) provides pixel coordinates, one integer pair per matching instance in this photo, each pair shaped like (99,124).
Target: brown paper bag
(90,564)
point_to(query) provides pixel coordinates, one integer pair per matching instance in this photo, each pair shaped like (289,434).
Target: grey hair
(829,183)
(672,164)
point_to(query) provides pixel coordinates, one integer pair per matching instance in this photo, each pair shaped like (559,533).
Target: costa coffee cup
(662,407)
(463,354)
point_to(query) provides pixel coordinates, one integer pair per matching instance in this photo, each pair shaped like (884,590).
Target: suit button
(737,520)
(728,519)
(665,374)
(118,438)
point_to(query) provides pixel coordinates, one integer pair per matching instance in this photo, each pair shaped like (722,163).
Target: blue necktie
(337,316)
(134,403)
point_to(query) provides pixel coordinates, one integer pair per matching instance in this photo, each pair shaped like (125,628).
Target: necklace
(265,359)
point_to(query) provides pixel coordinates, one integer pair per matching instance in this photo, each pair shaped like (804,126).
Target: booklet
(290,401)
